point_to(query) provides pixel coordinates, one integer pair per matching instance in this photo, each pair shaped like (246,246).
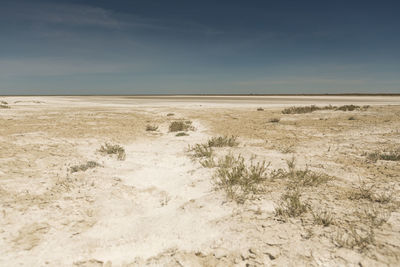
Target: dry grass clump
(274,120)
(170,114)
(324,218)
(223,141)
(180,126)
(363,191)
(201,151)
(393,155)
(238,179)
(110,149)
(291,205)
(351,118)
(359,238)
(208,162)
(299,177)
(84,167)
(181,134)
(260,109)
(151,128)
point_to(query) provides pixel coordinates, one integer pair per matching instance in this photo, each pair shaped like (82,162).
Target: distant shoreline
(208,95)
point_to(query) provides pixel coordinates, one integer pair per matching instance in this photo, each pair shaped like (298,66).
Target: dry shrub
(223,141)
(84,167)
(110,149)
(291,205)
(151,128)
(238,179)
(180,126)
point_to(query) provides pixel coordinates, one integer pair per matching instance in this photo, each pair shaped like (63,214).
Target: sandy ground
(160,207)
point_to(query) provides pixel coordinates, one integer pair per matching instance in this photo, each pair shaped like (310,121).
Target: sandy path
(158,199)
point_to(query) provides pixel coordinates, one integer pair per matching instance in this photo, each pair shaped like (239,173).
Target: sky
(199,47)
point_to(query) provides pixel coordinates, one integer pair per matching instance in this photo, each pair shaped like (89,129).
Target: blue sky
(199,47)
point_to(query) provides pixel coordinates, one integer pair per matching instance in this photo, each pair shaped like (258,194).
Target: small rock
(220,253)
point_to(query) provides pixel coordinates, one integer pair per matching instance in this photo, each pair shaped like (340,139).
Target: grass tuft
(113,149)
(274,120)
(323,218)
(238,179)
(84,167)
(180,126)
(201,151)
(291,205)
(181,134)
(223,141)
(151,128)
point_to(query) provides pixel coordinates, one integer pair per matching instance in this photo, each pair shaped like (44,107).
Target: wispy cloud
(70,14)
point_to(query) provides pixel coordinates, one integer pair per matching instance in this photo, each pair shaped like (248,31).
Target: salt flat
(161,205)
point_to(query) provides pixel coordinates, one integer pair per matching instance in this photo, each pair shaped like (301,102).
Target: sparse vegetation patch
(312,108)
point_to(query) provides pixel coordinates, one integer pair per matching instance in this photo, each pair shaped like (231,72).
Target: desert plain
(200,181)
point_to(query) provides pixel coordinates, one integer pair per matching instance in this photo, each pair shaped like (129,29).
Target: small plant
(223,141)
(180,126)
(260,109)
(375,217)
(239,180)
(274,120)
(355,238)
(323,218)
(201,151)
(84,167)
(170,114)
(351,118)
(301,178)
(291,205)
(181,134)
(362,192)
(113,149)
(151,128)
